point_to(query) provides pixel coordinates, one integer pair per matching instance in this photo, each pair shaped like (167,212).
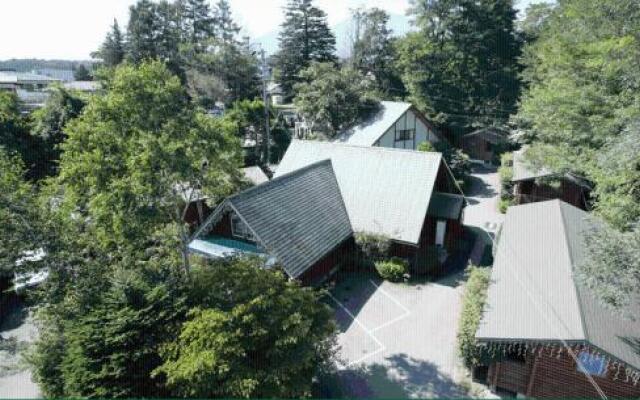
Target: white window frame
(243,232)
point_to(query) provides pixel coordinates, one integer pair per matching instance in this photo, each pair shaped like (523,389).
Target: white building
(395,125)
(30,88)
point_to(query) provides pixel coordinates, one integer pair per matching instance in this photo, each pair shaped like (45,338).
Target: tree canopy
(304,37)
(461,66)
(332,99)
(253,334)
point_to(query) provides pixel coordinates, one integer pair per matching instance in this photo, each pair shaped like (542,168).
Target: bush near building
(392,270)
(475,295)
(506,186)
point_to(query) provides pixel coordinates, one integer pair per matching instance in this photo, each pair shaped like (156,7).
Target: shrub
(373,246)
(392,270)
(503,205)
(475,295)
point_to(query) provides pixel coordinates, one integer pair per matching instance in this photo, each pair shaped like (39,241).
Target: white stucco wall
(407,121)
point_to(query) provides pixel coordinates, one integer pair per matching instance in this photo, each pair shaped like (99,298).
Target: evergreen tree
(82,73)
(196,21)
(112,50)
(461,67)
(226,30)
(373,52)
(142,31)
(305,37)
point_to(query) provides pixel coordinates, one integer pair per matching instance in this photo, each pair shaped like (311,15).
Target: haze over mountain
(399,24)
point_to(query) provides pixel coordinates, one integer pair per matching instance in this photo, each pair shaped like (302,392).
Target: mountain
(399,24)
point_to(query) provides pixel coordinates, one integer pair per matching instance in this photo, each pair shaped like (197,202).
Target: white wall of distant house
(407,121)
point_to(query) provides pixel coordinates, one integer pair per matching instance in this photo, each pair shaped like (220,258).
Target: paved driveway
(398,340)
(483,195)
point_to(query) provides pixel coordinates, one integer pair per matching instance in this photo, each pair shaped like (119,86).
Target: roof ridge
(288,175)
(374,148)
(567,242)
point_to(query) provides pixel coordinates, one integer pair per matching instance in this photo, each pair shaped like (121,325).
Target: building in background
(30,88)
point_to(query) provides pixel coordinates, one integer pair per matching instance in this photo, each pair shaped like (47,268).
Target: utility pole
(265,77)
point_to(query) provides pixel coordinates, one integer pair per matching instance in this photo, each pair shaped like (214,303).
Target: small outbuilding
(485,144)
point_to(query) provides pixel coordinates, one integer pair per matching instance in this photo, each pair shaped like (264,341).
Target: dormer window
(240,230)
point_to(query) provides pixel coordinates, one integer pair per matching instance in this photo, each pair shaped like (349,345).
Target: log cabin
(545,334)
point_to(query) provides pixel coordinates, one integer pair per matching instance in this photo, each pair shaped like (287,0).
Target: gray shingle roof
(297,218)
(533,294)
(369,131)
(386,191)
(446,205)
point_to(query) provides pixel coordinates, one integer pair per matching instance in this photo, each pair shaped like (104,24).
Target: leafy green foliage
(392,270)
(612,267)
(135,153)
(333,99)
(112,50)
(15,136)
(457,160)
(305,37)
(82,73)
(252,334)
(475,295)
(373,246)
(583,79)
(373,50)
(48,124)
(19,229)
(506,186)
(426,146)
(461,67)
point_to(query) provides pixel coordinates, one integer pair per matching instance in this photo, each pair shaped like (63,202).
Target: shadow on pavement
(401,376)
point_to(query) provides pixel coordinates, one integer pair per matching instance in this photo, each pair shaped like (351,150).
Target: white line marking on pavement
(368,331)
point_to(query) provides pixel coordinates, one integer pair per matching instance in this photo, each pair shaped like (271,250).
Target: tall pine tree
(462,65)
(372,51)
(226,30)
(196,21)
(305,37)
(112,50)
(142,31)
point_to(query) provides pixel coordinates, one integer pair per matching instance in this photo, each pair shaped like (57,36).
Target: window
(240,230)
(405,134)
(592,364)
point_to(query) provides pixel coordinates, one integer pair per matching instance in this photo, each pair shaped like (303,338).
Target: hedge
(475,294)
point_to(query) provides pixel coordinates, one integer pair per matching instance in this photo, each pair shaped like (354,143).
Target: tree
(133,158)
(15,136)
(142,31)
(253,334)
(19,229)
(48,124)
(82,74)
(305,37)
(196,21)
(333,99)
(580,114)
(112,50)
(534,21)
(373,50)
(225,28)
(582,100)
(461,67)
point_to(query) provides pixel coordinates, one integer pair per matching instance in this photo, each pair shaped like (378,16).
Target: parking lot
(398,340)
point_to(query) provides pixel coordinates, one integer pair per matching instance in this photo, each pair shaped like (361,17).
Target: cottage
(531,184)
(297,220)
(396,125)
(485,144)
(547,334)
(408,196)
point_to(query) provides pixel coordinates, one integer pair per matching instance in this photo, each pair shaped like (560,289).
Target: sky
(72,29)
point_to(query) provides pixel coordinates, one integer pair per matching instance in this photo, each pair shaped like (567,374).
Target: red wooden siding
(531,192)
(548,376)
(320,271)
